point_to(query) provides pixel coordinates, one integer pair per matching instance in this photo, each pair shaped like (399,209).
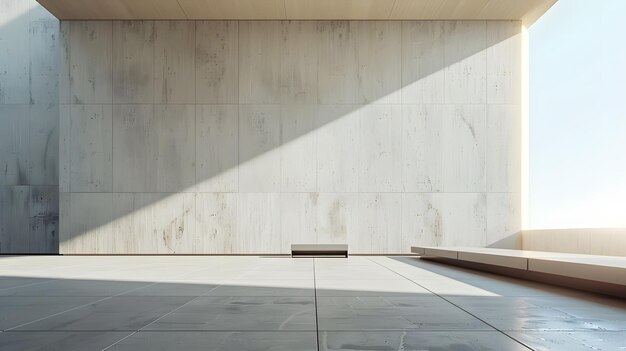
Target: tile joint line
(453,304)
(317,327)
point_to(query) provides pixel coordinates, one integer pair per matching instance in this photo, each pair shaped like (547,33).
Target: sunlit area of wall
(578,116)
(406,137)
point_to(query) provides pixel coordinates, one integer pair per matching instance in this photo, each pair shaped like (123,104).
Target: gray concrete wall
(29,120)
(245,137)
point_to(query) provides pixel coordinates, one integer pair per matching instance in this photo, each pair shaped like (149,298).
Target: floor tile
(76,287)
(357,273)
(590,306)
(527,313)
(398,287)
(241,313)
(449,287)
(15,311)
(340,261)
(572,341)
(277,275)
(114,314)
(513,287)
(219,341)
(421,340)
(264,287)
(58,341)
(392,313)
(178,288)
(12,283)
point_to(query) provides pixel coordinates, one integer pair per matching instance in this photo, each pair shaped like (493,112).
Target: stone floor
(274,303)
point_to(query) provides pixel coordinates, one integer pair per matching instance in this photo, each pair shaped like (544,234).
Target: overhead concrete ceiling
(525,10)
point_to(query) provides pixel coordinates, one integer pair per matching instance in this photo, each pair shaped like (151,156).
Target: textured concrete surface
(246,137)
(279,303)
(29,128)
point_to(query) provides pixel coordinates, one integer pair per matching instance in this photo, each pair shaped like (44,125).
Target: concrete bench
(603,274)
(319,250)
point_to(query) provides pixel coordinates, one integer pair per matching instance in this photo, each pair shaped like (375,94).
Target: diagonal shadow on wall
(141,172)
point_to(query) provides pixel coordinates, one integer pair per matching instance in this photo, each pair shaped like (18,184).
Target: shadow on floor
(362,303)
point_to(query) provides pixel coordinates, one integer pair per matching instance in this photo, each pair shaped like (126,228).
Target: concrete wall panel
(14,51)
(260,44)
(125,237)
(216,223)
(298,224)
(166,220)
(65,145)
(378,52)
(464,148)
(447,219)
(380,223)
(421,220)
(258,223)
(43,65)
(217,62)
(380,143)
(338,220)
(14,144)
(90,221)
(217,148)
(133,62)
(464,219)
(63,65)
(337,134)
(338,76)
(44,219)
(504,68)
(297,152)
(14,219)
(504,219)
(423,62)
(44,144)
(174,67)
(465,61)
(299,63)
(504,147)
(176,166)
(90,57)
(259,148)
(153,148)
(422,148)
(91,150)
(135,148)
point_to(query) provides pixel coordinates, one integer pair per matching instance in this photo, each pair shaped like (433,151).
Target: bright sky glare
(578,115)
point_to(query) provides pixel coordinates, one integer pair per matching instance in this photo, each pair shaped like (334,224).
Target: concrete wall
(29,119)
(245,137)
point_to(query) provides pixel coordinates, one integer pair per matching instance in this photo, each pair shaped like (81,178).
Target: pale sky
(578,115)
